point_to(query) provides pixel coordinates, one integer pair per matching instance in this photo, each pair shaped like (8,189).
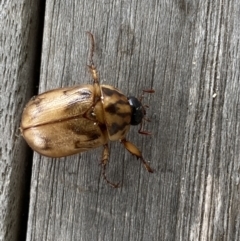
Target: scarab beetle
(66,121)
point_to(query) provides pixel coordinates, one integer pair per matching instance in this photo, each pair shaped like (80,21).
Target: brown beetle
(66,121)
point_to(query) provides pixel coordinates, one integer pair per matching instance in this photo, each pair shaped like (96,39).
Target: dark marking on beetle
(117,107)
(46,143)
(36,101)
(124,132)
(81,96)
(93,136)
(77,144)
(82,144)
(112,108)
(76,129)
(103,128)
(71,104)
(111,92)
(122,102)
(82,132)
(83,129)
(85,92)
(124,115)
(114,128)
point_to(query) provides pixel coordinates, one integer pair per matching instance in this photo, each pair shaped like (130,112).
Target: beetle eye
(137,110)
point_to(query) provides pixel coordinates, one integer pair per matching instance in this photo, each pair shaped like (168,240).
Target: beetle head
(138,111)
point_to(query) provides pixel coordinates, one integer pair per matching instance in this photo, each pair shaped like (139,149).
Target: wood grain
(188,51)
(19,32)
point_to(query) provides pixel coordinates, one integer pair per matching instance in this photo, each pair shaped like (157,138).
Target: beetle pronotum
(66,121)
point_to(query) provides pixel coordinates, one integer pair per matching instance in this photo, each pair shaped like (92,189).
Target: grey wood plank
(19,21)
(188,51)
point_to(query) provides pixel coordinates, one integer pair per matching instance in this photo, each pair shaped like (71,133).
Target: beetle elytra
(66,121)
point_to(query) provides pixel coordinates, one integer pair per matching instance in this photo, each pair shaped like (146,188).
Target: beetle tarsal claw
(104,162)
(148,168)
(145,133)
(150,91)
(146,165)
(113,184)
(105,176)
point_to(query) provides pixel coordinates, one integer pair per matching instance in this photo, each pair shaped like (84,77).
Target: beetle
(66,121)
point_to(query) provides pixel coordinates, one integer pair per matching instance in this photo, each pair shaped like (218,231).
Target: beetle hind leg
(136,152)
(105,159)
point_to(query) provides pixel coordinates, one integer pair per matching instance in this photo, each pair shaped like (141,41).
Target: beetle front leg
(136,152)
(105,159)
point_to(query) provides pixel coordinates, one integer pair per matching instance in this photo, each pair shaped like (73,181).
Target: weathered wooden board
(19,38)
(189,53)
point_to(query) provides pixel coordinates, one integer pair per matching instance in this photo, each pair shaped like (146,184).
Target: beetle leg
(141,131)
(105,159)
(144,132)
(136,152)
(93,70)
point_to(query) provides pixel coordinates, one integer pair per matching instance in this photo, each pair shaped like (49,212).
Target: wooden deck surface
(189,53)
